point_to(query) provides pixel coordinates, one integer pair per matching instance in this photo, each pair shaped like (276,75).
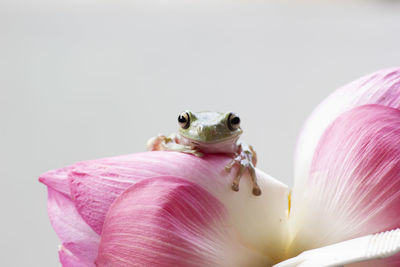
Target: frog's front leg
(170,143)
(246,159)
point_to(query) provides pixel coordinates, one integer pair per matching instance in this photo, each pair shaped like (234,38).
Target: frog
(205,132)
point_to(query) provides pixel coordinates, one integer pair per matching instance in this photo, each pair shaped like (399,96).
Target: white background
(82,80)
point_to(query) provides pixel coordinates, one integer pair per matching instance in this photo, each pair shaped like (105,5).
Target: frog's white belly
(224,146)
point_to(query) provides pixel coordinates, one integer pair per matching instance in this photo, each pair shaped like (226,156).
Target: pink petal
(57,179)
(68,259)
(260,222)
(354,183)
(381,87)
(77,237)
(169,221)
(96,184)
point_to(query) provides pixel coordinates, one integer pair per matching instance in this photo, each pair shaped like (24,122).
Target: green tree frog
(212,132)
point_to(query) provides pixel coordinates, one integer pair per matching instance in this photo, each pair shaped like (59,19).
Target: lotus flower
(174,209)
(159,208)
(347,166)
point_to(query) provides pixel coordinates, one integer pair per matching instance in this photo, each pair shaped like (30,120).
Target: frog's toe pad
(256,191)
(235,187)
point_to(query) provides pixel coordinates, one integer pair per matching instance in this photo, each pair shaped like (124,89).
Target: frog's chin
(228,145)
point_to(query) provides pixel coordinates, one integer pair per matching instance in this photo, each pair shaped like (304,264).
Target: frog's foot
(244,163)
(164,143)
(158,143)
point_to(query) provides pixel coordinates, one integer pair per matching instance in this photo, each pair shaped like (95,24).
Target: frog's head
(209,127)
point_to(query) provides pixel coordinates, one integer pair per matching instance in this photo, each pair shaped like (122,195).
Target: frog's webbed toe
(244,162)
(256,188)
(164,143)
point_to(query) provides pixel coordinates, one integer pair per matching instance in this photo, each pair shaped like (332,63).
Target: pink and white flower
(347,171)
(173,209)
(156,208)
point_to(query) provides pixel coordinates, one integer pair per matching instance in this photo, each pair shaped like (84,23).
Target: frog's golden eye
(233,121)
(184,120)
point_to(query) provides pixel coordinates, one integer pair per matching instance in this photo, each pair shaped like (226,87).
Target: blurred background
(81,80)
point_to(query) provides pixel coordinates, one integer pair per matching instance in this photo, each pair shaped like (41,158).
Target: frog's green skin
(211,132)
(209,127)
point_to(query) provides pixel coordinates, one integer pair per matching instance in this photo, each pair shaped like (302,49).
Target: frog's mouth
(226,145)
(232,139)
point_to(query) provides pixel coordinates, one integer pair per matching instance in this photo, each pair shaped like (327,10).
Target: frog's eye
(184,120)
(233,121)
